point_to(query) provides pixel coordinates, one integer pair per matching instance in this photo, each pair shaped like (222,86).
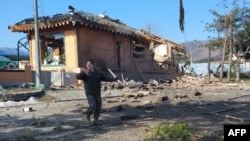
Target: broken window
(52,49)
(139,50)
(179,56)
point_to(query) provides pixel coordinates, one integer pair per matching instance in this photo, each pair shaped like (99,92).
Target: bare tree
(227,23)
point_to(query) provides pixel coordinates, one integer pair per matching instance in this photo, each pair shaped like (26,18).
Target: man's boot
(95,122)
(84,111)
(88,119)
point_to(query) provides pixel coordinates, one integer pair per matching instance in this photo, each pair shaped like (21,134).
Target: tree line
(234,26)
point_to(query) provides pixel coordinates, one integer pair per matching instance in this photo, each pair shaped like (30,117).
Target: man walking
(92,82)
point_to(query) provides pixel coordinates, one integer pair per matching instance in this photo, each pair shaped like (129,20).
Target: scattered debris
(224,110)
(197,93)
(27,109)
(237,118)
(119,108)
(112,101)
(239,97)
(146,107)
(201,103)
(128,117)
(163,98)
(233,85)
(181,96)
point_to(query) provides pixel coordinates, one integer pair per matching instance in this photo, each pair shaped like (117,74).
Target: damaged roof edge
(86,19)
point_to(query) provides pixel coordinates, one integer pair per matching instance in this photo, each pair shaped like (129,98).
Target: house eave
(83,19)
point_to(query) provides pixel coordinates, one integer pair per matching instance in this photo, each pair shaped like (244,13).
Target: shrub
(164,131)
(25,137)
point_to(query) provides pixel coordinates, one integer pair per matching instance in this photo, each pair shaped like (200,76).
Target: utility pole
(37,48)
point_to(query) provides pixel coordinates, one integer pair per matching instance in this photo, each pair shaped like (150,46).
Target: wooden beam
(140,45)
(140,71)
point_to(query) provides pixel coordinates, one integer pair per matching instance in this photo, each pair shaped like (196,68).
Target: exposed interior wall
(142,55)
(161,53)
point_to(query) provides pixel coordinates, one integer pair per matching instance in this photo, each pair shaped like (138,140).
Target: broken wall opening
(53,52)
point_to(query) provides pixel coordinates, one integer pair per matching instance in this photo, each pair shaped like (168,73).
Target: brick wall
(92,45)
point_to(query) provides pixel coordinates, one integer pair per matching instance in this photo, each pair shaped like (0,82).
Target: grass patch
(177,132)
(25,137)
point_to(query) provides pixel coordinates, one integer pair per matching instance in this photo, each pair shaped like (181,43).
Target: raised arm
(82,75)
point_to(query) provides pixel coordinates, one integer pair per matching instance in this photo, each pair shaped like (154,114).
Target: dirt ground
(203,107)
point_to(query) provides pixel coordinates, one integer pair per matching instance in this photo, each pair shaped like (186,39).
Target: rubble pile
(160,89)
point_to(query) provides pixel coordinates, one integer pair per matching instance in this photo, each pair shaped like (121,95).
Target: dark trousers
(95,105)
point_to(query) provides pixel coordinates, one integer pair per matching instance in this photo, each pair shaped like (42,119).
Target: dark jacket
(92,81)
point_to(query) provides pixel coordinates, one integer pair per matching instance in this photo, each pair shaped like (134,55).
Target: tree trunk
(224,48)
(230,54)
(209,62)
(238,67)
(223,55)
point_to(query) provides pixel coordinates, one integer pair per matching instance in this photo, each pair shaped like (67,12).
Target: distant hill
(11,53)
(199,52)
(7,51)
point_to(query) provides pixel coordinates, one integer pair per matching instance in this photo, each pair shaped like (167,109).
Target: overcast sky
(161,15)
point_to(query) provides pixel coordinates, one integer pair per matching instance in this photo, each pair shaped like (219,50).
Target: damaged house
(68,40)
